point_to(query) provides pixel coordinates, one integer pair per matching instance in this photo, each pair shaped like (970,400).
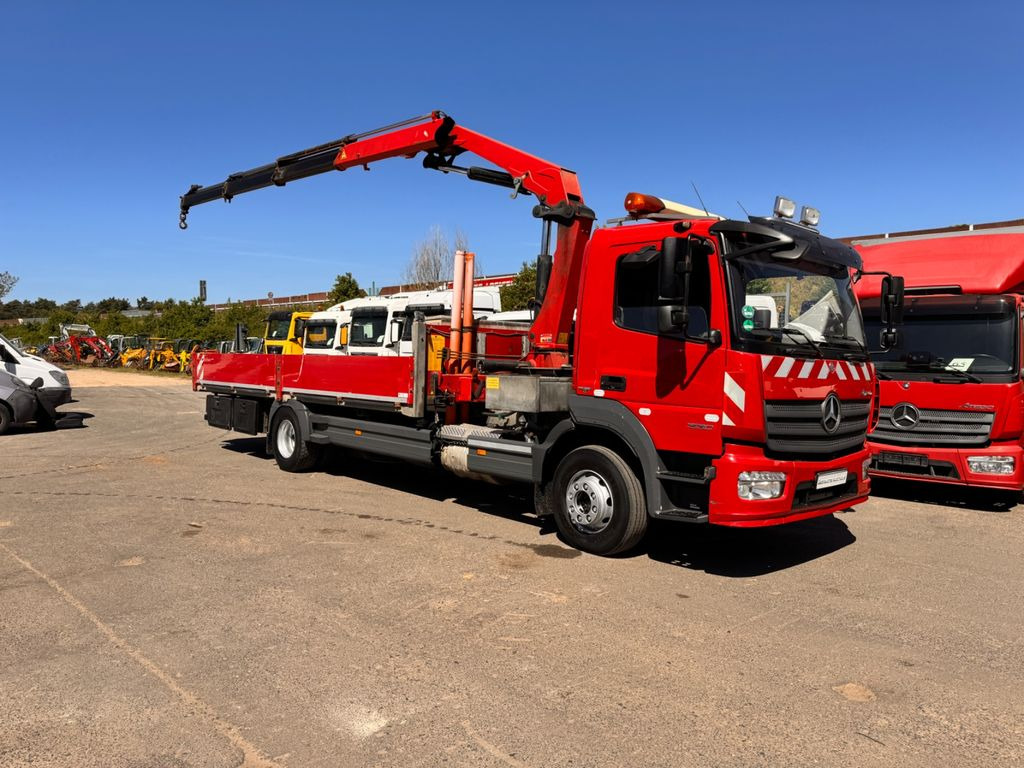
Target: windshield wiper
(812,342)
(854,339)
(770,333)
(963,376)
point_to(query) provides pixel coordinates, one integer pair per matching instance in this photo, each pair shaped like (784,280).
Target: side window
(636,293)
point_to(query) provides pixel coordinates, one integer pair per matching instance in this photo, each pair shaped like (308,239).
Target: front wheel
(598,501)
(292,453)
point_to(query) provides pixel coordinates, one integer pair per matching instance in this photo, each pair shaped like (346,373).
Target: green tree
(345,287)
(522,291)
(7,282)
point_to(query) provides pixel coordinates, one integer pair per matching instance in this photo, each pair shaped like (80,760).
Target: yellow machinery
(136,352)
(162,355)
(284,332)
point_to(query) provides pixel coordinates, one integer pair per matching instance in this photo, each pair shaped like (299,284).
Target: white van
(56,389)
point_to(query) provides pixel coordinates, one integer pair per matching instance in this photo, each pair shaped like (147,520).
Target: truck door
(672,383)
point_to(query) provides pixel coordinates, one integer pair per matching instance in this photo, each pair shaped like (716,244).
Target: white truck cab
(379,325)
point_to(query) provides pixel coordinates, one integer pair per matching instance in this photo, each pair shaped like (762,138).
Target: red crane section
(560,202)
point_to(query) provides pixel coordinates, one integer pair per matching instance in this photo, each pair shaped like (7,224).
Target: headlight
(991,465)
(864,469)
(755,486)
(61,378)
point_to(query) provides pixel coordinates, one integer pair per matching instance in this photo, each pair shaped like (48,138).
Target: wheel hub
(286,438)
(589,502)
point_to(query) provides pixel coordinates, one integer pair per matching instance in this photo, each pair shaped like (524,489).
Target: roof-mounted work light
(810,216)
(784,207)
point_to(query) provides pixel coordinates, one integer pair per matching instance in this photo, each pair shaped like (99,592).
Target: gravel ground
(168,597)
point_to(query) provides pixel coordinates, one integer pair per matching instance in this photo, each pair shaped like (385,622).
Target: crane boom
(560,201)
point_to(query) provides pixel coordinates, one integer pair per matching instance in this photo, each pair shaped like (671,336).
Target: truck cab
(327,332)
(284,332)
(755,414)
(951,393)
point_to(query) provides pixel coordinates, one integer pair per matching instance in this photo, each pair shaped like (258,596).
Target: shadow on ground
(738,553)
(65,420)
(250,446)
(746,552)
(979,499)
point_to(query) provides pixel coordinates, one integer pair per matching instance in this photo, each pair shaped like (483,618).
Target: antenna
(699,198)
(745,211)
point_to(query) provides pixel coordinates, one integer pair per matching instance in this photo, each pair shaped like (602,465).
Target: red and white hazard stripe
(779,367)
(735,401)
(199,369)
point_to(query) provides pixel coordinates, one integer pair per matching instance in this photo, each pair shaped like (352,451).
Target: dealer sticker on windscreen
(830,479)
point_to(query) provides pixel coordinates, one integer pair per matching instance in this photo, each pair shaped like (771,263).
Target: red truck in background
(679,366)
(952,398)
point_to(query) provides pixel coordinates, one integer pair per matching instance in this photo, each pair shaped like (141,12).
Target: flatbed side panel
(252,372)
(387,379)
(366,377)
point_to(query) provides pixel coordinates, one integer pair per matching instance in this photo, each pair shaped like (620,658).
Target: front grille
(956,428)
(795,427)
(806,495)
(898,464)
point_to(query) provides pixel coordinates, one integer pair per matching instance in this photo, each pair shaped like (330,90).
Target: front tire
(598,501)
(292,453)
(5,419)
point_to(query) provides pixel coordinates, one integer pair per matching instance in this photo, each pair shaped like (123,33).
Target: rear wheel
(598,501)
(292,453)
(5,419)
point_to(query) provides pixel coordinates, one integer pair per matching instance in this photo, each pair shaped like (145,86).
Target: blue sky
(883,115)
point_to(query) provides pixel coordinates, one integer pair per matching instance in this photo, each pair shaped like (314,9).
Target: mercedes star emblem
(831,413)
(905,416)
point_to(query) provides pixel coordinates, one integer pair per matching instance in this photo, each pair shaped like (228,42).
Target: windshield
(368,327)
(277,328)
(796,306)
(956,335)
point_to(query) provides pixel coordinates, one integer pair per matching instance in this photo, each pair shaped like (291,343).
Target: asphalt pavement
(170,598)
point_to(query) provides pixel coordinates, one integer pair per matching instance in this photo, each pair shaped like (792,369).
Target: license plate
(907,459)
(830,479)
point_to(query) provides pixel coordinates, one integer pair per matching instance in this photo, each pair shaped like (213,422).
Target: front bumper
(800,499)
(946,465)
(52,397)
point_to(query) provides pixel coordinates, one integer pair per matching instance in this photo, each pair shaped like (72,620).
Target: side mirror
(762,318)
(394,332)
(892,299)
(676,259)
(675,266)
(891,313)
(37,383)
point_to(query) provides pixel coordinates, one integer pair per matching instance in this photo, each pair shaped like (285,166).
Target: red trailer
(656,380)
(952,400)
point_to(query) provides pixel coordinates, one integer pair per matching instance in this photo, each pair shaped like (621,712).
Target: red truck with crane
(952,396)
(648,384)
